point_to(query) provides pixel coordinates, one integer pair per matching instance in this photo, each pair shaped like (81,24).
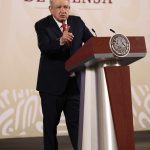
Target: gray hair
(51,1)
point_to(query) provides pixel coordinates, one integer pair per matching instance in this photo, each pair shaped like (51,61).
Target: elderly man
(59,36)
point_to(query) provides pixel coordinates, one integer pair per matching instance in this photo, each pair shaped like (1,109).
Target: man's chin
(63,19)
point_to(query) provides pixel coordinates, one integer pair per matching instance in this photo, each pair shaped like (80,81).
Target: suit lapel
(70,23)
(53,27)
(72,27)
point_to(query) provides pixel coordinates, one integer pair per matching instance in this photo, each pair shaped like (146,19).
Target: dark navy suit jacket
(52,76)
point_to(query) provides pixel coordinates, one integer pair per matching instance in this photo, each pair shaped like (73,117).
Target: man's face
(60,9)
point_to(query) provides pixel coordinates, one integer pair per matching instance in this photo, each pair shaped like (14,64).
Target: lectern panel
(118,82)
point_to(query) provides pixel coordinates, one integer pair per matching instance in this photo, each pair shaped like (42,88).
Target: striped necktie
(64,27)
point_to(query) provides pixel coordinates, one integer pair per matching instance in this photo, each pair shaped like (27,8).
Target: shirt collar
(59,23)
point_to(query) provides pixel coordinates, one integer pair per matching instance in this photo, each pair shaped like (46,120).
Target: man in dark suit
(59,90)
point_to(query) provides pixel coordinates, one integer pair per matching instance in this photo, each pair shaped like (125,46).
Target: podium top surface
(97,50)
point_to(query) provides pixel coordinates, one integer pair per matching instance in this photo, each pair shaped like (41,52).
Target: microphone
(94,32)
(112,31)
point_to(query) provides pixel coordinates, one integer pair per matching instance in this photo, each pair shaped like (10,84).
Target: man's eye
(65,7)
(59,7)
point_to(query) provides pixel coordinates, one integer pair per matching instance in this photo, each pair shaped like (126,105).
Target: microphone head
(112,31)
(94,32)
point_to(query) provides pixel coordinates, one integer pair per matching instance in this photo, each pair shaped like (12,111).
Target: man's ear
(50,8)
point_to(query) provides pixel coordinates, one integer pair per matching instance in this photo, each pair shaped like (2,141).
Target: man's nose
(62,9)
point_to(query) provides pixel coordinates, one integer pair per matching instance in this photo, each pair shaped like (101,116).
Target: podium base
(100,126)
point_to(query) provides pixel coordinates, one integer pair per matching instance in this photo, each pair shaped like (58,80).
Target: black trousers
(52,106)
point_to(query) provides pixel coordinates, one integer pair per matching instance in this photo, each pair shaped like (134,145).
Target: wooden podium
(106,121)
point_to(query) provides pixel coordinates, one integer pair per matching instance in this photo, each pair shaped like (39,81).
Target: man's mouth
(63,16)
